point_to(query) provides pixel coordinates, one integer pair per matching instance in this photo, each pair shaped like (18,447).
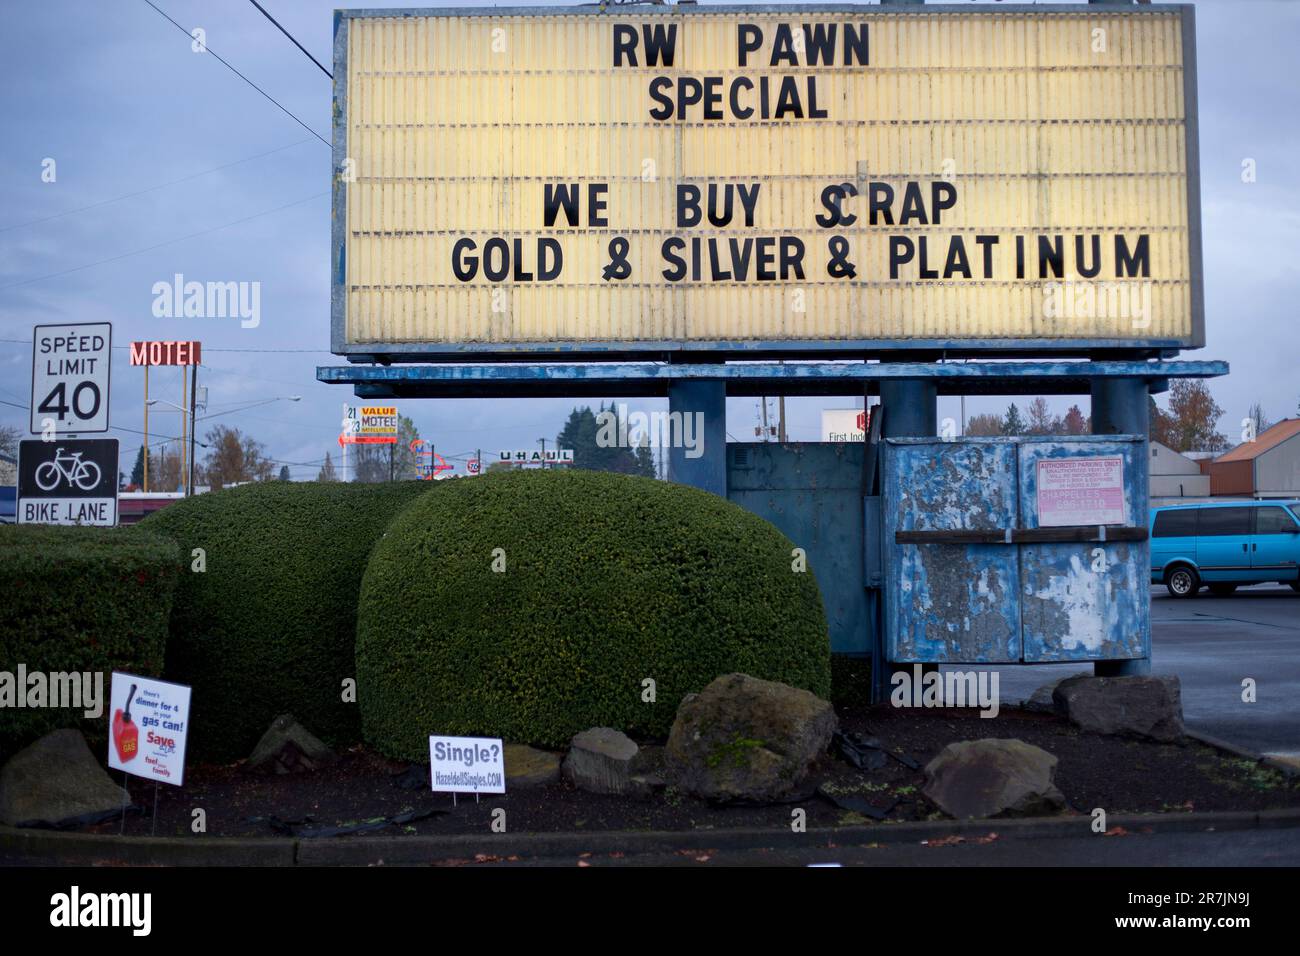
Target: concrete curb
(1231,748)
(43,847)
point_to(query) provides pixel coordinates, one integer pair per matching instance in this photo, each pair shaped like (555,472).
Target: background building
(1268,467)
(1175,477)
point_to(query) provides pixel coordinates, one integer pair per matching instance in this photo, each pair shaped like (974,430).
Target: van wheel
(1183,582)
(1295,585)
(1222,590)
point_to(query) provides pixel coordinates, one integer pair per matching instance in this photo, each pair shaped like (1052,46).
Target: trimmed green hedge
(79,600)
(269,627)
(608,580)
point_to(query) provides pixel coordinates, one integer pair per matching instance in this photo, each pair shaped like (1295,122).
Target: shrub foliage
(79,600)
(531,605)
(268,627)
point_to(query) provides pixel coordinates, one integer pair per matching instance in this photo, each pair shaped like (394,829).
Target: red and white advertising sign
(166,353)
(1080,491)
(148,725)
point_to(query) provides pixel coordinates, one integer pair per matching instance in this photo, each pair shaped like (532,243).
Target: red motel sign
(165,353)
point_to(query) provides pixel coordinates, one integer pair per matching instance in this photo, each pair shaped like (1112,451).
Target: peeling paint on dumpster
(1039,602)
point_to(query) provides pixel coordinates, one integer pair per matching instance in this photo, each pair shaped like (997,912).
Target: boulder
(600,761)
(747,739)
(1149,708)
(529,767)
(1041,702)
(57,782)
(289,747)
(990,778)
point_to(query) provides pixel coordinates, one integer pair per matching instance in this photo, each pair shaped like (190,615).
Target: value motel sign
(769,180)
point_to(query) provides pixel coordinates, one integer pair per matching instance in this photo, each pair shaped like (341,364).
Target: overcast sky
(221,185)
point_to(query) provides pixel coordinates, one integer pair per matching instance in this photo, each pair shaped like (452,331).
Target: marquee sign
(799,180)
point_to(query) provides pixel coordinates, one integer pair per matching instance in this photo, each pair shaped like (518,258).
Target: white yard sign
(1080,491)
(148,725)
(467,764)
(70,371)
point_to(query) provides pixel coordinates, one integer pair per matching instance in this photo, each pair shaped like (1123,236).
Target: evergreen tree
(1013,424)
(137,470)
(284,472)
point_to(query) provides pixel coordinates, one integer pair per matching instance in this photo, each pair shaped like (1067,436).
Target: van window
(1273,520)
(1175,524)
(1224,521)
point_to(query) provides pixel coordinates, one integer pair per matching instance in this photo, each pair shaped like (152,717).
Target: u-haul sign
(795,180)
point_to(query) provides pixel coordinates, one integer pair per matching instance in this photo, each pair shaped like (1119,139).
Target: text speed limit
(70,377)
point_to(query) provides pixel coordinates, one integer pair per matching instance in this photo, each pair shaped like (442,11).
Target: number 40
(57,401)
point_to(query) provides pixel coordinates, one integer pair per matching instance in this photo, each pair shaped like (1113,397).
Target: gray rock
(289,747)
(1149,708)
(747,739)
(990,778)
(1040,702)
(57,780)
(600,761)
(529,767)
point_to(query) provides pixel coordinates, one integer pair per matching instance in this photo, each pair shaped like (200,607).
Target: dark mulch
(1116,774)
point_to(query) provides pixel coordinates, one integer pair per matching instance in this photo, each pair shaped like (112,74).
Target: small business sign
(552,456)
(845,424)
(467,765)
(1080,491)
(166,353)
(70,373)
(68,481)
(369,425)
(148,725)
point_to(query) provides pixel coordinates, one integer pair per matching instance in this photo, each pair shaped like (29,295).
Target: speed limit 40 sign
(70,368)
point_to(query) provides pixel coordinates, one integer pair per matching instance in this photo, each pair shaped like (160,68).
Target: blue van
(1223,545)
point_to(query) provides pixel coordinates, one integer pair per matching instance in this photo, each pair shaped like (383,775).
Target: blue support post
(911,410)
(1122,406)
(702,403)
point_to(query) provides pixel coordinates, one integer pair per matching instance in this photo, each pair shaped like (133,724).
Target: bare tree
(234,457)
(984,425)
(1041,420)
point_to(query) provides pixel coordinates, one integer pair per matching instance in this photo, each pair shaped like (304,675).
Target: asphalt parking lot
(1213,644)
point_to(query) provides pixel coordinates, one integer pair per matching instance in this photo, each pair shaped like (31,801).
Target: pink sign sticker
(1080,491)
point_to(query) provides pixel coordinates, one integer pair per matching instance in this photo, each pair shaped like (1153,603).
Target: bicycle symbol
(84,474)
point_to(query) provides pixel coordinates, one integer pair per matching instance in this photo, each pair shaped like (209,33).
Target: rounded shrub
(264,621)
(532,605)
(78,601)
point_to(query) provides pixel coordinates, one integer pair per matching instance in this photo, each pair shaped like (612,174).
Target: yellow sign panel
(759,182)
(377,420)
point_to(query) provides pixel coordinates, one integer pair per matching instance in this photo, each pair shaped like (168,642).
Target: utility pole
(185,449)
(146,429)
(194,391)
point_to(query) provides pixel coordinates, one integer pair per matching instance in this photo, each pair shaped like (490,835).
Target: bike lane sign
(68,481)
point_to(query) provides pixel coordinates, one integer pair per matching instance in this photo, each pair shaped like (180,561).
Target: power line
(141,192)
(193,235)
(208,49)
(290,36)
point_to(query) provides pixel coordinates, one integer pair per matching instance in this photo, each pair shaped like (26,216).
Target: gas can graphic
(126,735)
